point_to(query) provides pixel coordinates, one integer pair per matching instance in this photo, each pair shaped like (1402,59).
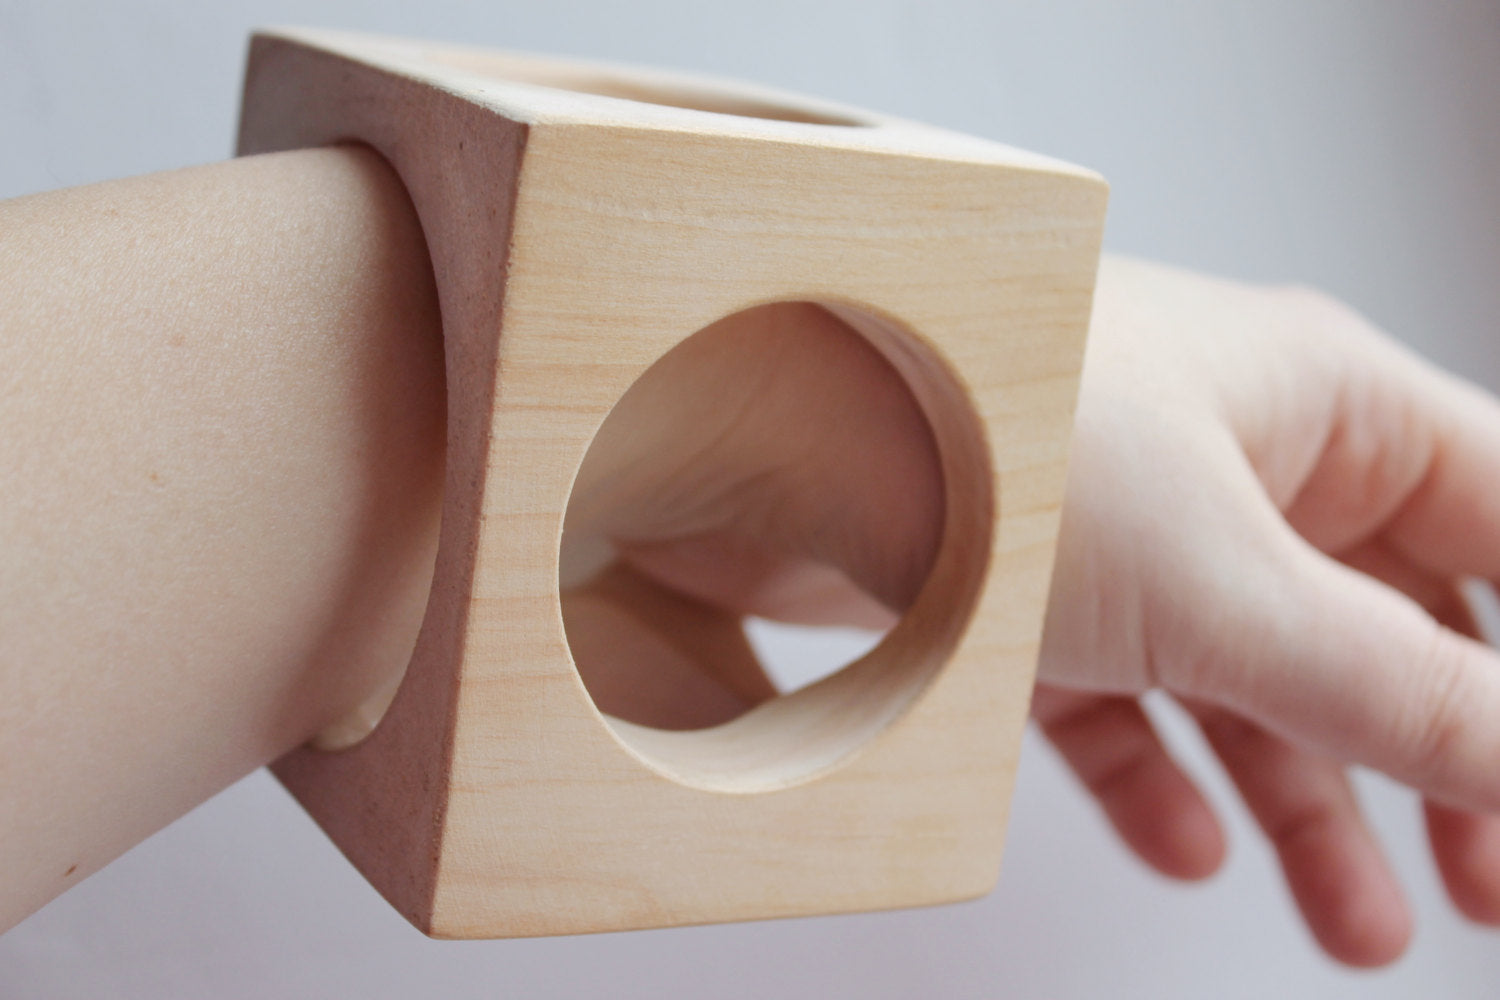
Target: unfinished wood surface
(582,221)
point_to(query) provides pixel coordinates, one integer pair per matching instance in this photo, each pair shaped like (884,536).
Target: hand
(1270,512)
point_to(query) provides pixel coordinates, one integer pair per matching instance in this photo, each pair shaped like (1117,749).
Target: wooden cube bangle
(583,220)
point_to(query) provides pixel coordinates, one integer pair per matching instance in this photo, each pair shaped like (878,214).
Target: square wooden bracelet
(583,220)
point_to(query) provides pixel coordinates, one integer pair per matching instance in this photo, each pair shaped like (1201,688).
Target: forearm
(221,394)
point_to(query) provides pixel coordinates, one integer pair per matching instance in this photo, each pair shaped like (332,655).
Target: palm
(1301,500)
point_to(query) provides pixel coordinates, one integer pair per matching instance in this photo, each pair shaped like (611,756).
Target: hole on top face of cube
(692,94)
(773,543)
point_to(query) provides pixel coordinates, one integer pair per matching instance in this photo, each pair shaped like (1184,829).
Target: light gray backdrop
(1349,144)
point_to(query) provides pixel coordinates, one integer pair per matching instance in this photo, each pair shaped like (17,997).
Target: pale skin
(220,476)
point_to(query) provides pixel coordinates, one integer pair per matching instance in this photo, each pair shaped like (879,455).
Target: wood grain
(578,233)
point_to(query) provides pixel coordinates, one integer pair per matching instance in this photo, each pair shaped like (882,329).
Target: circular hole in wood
(645,87)
(774,543)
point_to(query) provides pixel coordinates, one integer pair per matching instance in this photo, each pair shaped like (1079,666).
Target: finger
(1332,864)
(1333,660)
(1466,847)
(1110,744)
(1450,521)
(1410,457)
(654,657)
(1437,595)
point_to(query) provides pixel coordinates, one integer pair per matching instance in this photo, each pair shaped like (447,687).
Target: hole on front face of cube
(773,543)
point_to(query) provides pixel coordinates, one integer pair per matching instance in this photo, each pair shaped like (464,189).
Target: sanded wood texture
(582,221)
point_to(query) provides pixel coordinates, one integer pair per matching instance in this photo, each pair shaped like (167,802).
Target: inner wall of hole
(794,737)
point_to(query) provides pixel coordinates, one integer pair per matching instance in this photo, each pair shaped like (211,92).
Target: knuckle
(1441,711)
(1120,774)
(1312,821)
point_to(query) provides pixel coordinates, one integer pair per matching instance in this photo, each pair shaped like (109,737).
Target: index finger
(1334,660)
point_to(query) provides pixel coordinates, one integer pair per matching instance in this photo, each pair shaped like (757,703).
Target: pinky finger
(1110,744)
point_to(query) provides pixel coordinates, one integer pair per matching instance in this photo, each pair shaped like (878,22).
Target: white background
(1353,145)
